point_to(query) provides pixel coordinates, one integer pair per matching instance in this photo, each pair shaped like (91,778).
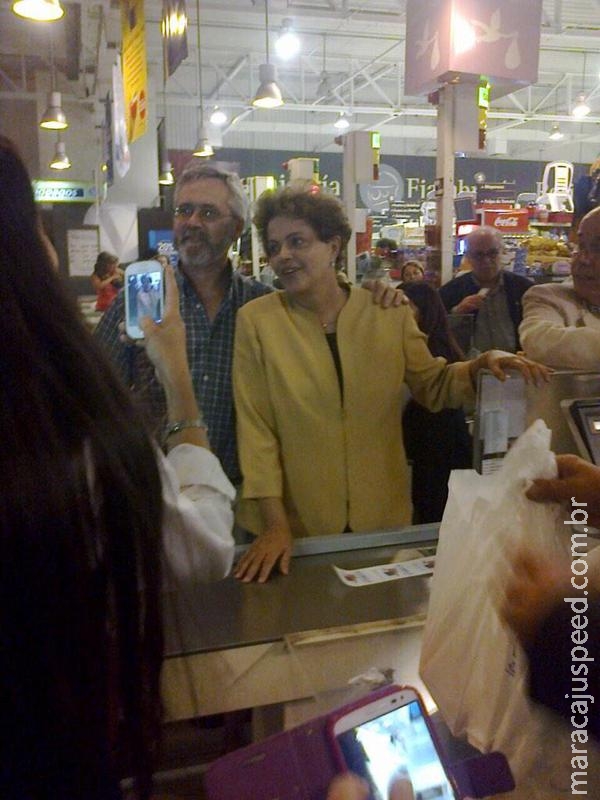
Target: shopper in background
(107,279)
(491,294)
(561,321)
(412,272)
(550,626)
(319,374)
(90,511)
(586,196)
(435,443)
(211,208)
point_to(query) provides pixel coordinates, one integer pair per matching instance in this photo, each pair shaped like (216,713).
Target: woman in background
(435,442)
(107,279)
(90,512)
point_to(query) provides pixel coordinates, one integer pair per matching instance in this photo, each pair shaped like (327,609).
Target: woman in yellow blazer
(318,375)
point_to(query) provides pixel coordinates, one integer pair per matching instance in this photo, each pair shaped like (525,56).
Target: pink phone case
(299,764)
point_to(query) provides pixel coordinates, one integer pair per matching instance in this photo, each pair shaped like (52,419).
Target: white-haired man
(491,294)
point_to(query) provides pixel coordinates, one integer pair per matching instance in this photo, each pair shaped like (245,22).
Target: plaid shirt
(210,355)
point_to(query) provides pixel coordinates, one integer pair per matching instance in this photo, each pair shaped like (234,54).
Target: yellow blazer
(336,463)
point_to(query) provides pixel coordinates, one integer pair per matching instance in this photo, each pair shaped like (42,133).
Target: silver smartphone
(144,295)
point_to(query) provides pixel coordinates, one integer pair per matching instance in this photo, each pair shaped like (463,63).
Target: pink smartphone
(388,740)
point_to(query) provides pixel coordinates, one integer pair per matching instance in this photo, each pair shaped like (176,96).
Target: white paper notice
(386,572)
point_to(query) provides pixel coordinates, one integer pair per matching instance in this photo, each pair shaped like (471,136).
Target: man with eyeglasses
(491,294)
(561,321)
(211,210)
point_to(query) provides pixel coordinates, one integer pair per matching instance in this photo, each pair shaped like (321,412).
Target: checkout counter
(232,645)
(299,640)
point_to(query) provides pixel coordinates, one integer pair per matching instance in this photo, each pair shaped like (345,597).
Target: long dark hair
(432,319)
(80,536)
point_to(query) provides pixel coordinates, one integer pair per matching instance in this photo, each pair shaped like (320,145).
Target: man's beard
(196,251)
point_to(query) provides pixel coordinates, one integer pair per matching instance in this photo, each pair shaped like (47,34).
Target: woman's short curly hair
(322,211)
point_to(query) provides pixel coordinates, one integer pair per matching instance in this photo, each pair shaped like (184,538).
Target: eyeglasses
(479,255)
(206,213)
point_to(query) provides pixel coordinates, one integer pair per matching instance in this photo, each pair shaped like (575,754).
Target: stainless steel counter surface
(231,614)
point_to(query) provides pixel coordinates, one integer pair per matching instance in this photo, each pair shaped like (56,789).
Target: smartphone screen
(144,295)
(397,746)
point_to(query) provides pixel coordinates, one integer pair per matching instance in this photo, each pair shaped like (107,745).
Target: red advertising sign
(513,220)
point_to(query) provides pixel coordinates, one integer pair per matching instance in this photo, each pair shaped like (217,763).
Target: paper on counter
(366,576)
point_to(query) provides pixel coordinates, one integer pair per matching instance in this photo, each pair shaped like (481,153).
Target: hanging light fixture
(39,10)
(54,118)
(60,160)
(218,116)
(268,94)
(556,134)
(165,177)
(581,108)
(287,44)
(342,122)
(204,148)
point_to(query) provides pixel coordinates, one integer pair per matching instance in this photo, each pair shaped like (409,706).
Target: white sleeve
(198,517)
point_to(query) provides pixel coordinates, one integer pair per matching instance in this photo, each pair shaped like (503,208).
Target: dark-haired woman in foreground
(318,378)
(90,513)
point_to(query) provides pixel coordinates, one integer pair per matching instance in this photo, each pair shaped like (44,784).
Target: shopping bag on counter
(471,664)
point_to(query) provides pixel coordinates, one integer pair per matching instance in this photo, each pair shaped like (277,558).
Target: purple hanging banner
(173,28)
(495,38)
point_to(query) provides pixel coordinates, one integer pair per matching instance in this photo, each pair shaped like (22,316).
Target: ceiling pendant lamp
(204,148)
(581,108)
(39,10)
(165,176)
(556,134)
(60,159)
(54,118)
(268,94)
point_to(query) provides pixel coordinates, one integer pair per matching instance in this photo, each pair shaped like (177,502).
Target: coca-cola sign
(514,220)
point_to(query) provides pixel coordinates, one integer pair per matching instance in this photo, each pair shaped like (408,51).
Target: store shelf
(549,224)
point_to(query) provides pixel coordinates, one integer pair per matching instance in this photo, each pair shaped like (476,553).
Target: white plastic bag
(473,667)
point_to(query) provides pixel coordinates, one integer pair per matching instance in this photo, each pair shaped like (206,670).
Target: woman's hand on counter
(498,361)
(273,546)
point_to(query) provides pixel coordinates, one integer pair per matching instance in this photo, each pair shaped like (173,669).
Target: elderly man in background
(491,294)
(561,321)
